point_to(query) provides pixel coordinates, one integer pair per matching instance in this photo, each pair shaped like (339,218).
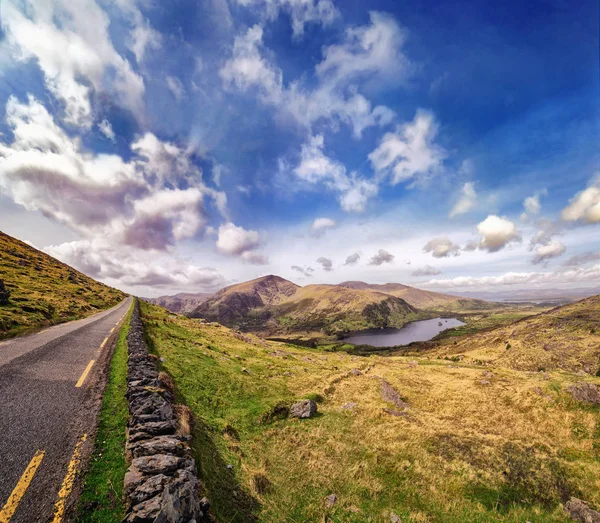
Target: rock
(586,392)
(133,479)
(390,394)
(245,370)
(394,518)
(180,499)
(349,405)
(145,512)
(581,511)
(158,464)
(330,500)
(484,382)
(148,489)
(355,372)
(303,409)
(161,445)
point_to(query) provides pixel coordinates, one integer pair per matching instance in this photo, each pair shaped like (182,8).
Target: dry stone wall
(161,485)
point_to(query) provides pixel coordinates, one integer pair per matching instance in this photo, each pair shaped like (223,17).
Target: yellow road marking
(85,373)
(19,491)
(104,342)
(67,485)
(111,330)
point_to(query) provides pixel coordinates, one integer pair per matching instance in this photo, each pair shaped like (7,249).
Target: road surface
(49,398)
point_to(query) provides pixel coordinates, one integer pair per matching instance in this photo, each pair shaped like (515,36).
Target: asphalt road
(48,407)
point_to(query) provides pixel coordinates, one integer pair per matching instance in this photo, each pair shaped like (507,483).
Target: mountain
(37,290)
(421,299)
(274,305)
(566,337)
(182,303)
(535,295)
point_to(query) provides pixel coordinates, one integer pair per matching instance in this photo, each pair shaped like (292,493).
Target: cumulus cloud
(136,268)
(442,247)
(582,259)
(584,207)
(322,224)
(237,241)
(368,53)
(546,230)
(559,277)
(532,205)
(301,12)
(496,233)
(381,257)
(305,272)
(107,130)
(352,259)
(428,270)
(544,253)
(150,201)
(316,168)
(70,42)
(467,200)
(326,264)
(410,153)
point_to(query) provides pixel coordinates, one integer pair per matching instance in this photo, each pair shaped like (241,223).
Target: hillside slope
(566,337)
(44,291)
(273,305)
(469,443)
(182,303)
(421,299)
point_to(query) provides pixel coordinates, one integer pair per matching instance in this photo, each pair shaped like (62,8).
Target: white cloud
(315,167)
(237,241)
(381,257)
(352,259)
(582,259)
(532,205)
(303,271)
(368,53)
(428,270)
(496,233)
(467,200)
(326,264)
(410,153)
(301,12)
(176,87)
(584,207)
(552,249)
(322,224)
(107,130)
(70,42)
(560,277)
(143,37)
(442,247)
(136,268)
(136,202)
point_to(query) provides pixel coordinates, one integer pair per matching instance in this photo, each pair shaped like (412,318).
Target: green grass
(467,452)
(102,497)
(44,291)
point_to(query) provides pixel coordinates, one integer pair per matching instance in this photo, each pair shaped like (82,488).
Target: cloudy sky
(181,146)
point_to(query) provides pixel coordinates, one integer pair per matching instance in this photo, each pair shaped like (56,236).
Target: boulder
(390,394)
(303,409)
(586,392)
(580,511)
(157,464)
(330,500)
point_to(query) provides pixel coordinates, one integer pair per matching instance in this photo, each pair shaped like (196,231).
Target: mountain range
(274,305)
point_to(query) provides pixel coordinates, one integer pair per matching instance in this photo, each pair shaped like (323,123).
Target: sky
(184,146)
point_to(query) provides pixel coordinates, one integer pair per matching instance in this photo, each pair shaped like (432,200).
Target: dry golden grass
(478,443)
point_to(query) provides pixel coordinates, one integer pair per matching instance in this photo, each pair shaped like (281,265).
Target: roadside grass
(512,449)
(44,291)
(102,498)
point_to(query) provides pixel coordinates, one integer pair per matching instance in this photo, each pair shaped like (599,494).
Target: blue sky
(160,149)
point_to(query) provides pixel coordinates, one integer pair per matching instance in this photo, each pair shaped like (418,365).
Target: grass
(44,291)
(511,449)
(102,497)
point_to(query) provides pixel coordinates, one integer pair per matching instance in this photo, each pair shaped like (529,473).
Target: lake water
(416,331)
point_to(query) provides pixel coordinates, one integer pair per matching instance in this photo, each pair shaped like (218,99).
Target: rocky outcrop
(581,511)
(161,484)
(303,409)
(586,392)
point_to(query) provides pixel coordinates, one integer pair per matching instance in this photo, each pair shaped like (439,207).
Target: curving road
(50,392)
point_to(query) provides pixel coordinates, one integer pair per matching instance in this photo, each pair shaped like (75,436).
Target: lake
(417,331)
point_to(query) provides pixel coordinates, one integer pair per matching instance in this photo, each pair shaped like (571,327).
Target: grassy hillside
(422,299)
(44,291)
(477,444)
(272,305)
(566,337)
